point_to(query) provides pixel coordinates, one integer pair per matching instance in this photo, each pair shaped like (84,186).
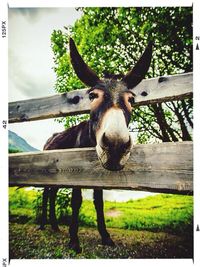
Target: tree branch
(186,112)
(185,134)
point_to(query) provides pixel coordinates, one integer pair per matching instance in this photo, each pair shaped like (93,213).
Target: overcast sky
(31,61)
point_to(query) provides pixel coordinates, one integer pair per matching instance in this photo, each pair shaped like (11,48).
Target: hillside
(17,143)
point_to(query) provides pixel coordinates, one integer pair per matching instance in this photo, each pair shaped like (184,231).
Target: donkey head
(111,106)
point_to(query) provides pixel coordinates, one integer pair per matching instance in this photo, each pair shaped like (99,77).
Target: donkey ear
(138,73)
(85,74)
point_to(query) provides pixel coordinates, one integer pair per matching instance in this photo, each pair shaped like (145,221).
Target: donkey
(111,101)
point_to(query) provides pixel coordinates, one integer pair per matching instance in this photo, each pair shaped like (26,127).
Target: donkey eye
(131,100)
(92,96)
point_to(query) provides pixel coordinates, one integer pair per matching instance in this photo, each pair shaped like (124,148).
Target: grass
(162,212)
(22,205)
(159,226)
(26,242)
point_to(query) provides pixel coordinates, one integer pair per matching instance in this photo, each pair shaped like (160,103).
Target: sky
(31,61)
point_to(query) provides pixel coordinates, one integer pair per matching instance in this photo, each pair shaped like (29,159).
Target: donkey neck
(80,135)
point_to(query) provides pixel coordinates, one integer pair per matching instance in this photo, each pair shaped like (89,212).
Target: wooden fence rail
(155,90)
(164,167)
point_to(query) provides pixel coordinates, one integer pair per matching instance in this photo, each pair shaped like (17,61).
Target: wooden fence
(164,167)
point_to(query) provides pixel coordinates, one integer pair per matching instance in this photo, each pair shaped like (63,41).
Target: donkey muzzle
(113,155)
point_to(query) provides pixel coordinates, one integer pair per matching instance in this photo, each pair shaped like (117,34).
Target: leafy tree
(112,39)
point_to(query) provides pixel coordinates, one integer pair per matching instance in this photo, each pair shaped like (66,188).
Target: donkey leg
(45,197)
(98,203)
(73,228)
(52,213)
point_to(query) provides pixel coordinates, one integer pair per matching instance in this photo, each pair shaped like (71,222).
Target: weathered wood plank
(165,167)
(163,89)
(149,91)
(60,105)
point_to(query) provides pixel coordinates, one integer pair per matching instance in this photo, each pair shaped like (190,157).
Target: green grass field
(26,242)
(162,212)
(159,226)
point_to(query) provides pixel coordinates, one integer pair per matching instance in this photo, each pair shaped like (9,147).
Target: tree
(112,39)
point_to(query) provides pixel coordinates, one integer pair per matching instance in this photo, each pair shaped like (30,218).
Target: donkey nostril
(128,144)
(105,141)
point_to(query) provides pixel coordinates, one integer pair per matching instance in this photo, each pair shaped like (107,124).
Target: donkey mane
(112,76)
